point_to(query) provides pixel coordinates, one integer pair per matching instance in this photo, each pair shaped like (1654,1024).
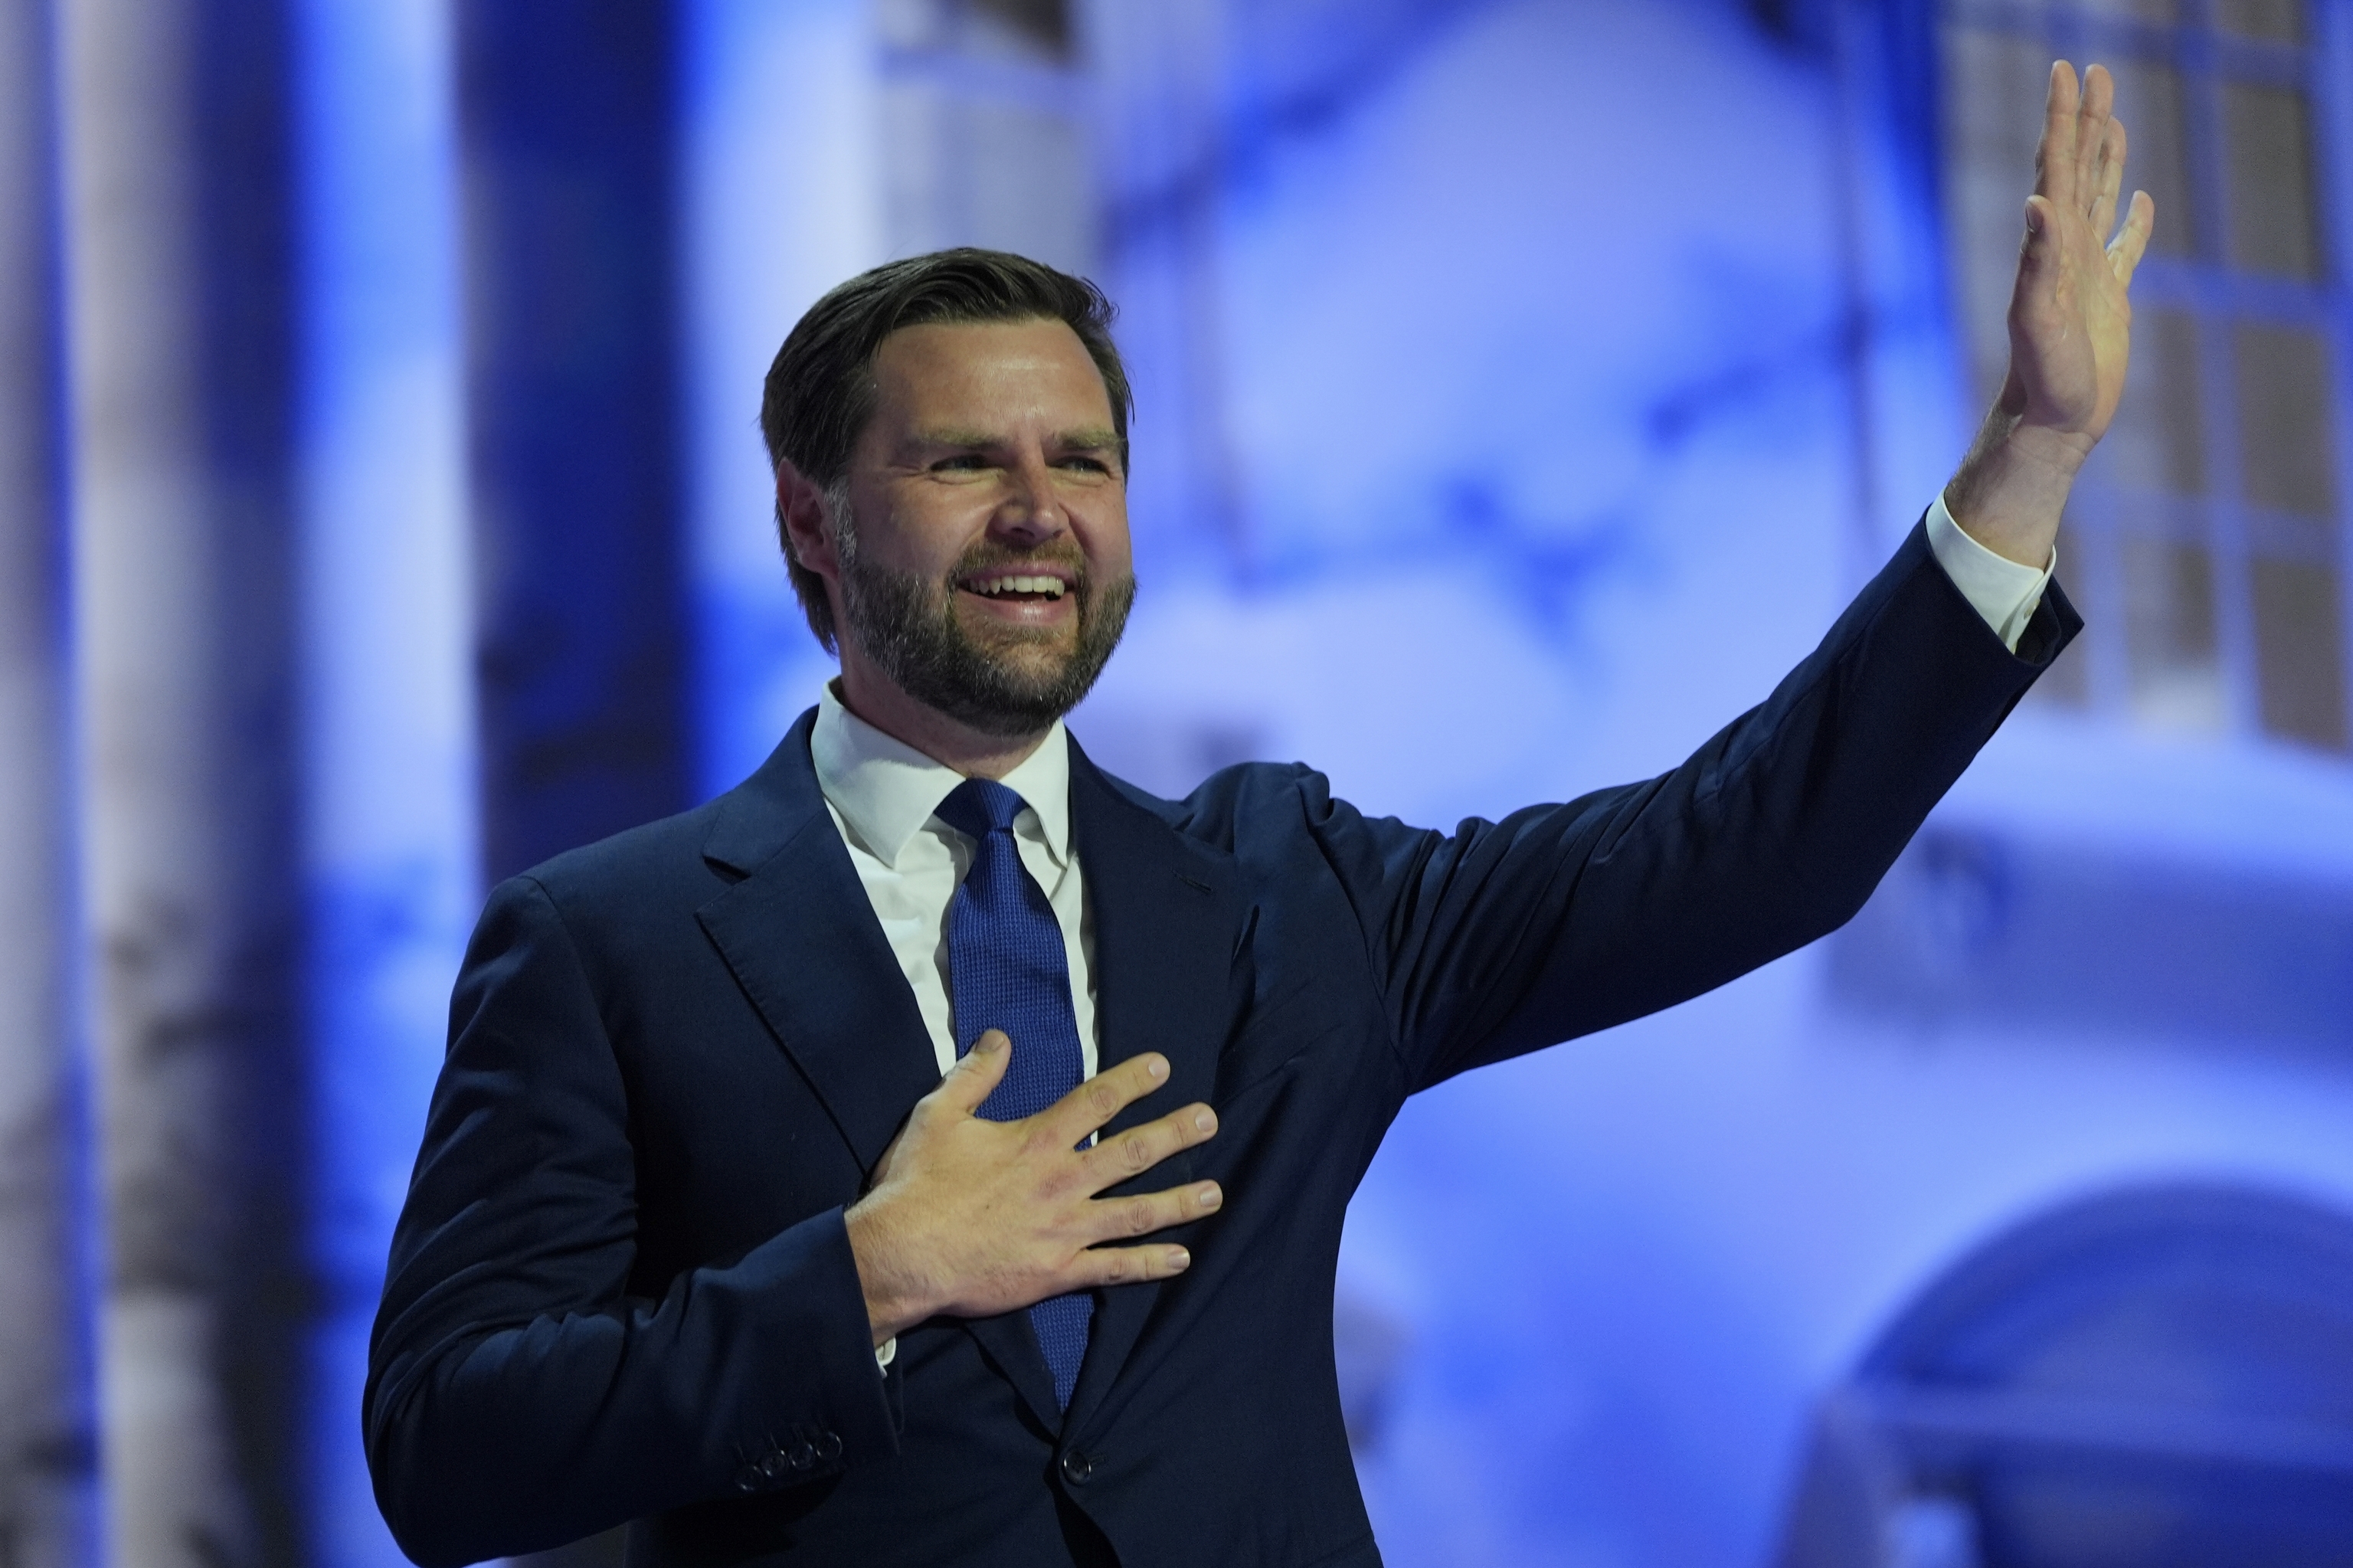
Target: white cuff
(886,1352)
(2006,593)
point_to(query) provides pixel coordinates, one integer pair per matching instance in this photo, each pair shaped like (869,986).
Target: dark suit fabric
(621,1288)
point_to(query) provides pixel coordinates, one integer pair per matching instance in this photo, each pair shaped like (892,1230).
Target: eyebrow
(1086,438)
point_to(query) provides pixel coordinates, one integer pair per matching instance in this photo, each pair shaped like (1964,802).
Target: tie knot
(979,807)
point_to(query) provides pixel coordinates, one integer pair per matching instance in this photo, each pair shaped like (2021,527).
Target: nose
(1031,510)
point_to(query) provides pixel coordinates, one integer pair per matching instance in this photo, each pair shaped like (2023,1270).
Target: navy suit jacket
(621,1288)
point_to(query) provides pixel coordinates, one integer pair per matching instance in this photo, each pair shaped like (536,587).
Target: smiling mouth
(1021,589)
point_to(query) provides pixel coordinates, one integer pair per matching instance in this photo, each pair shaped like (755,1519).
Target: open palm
(2070,327)
(2070,320)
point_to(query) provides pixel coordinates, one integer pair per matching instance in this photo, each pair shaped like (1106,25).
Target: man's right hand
(971,1218)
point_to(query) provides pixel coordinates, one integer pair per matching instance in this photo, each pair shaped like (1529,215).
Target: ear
(808,527)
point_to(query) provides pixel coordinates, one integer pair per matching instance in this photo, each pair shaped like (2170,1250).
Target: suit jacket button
(828,1446)
(1077,1468)
(801,1455)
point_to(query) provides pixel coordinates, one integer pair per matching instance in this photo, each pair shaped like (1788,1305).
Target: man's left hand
(2070,327)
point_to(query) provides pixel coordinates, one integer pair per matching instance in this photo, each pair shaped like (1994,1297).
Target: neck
(951,743)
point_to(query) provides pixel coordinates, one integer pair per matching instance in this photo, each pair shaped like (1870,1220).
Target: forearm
(560,1423)
(1561,920)
(519,1394)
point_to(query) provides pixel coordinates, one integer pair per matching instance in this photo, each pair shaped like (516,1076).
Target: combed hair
(821,388)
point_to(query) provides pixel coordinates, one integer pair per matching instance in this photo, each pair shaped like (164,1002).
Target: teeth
(1052,586)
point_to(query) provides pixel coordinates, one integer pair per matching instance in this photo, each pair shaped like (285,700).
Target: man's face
(986,571)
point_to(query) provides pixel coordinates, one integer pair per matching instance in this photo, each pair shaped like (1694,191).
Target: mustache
(987,557)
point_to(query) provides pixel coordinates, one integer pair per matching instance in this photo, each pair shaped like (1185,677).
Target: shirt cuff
(885,1352)
(2006,593)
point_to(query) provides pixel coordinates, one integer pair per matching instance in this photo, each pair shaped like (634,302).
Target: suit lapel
(799,935)
(1166,917)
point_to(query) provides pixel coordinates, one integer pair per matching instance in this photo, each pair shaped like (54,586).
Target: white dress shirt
(2004,592)
(883,796)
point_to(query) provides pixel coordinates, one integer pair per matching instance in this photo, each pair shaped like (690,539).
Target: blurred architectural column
(781,197)
(1906,370)
(985,129)
(47,1500)
(564,117)
(177,280)
(387,642)
(1159,73)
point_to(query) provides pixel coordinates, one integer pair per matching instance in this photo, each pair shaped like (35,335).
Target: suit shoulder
(652,863)
(1236,806)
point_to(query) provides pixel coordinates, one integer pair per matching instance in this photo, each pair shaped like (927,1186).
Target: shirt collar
(886,790)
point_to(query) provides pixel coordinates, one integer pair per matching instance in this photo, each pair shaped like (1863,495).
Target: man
(740,1215)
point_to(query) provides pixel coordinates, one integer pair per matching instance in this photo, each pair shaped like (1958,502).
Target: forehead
(992,375)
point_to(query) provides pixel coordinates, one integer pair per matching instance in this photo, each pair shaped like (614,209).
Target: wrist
(895,1299)
(2011,489)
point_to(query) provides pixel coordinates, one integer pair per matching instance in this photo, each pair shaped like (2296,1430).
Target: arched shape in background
(2158,1376)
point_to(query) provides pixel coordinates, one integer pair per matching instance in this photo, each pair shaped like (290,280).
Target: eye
(963,463)
(1087,465)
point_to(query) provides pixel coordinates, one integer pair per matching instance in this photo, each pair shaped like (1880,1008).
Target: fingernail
(1212,1198)
(1204,1121)
(1178,1258)
(1156,1068)
(993,1042)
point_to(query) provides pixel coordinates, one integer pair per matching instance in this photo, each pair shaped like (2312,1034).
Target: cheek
(1105,540)
(925,537)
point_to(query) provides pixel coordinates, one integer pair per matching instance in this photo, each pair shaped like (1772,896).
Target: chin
(1032,663)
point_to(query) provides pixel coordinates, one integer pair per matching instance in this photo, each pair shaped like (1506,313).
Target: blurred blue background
(1523,386)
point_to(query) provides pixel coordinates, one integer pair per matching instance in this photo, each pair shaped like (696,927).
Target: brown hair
(821,388)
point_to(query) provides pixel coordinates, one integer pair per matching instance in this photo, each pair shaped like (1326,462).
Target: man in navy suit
(738,1214)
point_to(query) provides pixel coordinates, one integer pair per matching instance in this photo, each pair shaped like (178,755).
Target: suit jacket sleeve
(518,1396)
(1563,919)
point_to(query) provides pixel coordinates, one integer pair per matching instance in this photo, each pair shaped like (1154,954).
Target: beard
(907,624)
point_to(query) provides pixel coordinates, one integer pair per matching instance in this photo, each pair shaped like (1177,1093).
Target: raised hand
(971,1218)
(2070,325)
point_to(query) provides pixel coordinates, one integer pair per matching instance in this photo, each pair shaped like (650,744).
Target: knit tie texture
(1007,970)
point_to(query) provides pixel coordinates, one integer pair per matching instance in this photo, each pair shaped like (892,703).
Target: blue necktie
(1007,970)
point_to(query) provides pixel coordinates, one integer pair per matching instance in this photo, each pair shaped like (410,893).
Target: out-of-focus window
(2207,540)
